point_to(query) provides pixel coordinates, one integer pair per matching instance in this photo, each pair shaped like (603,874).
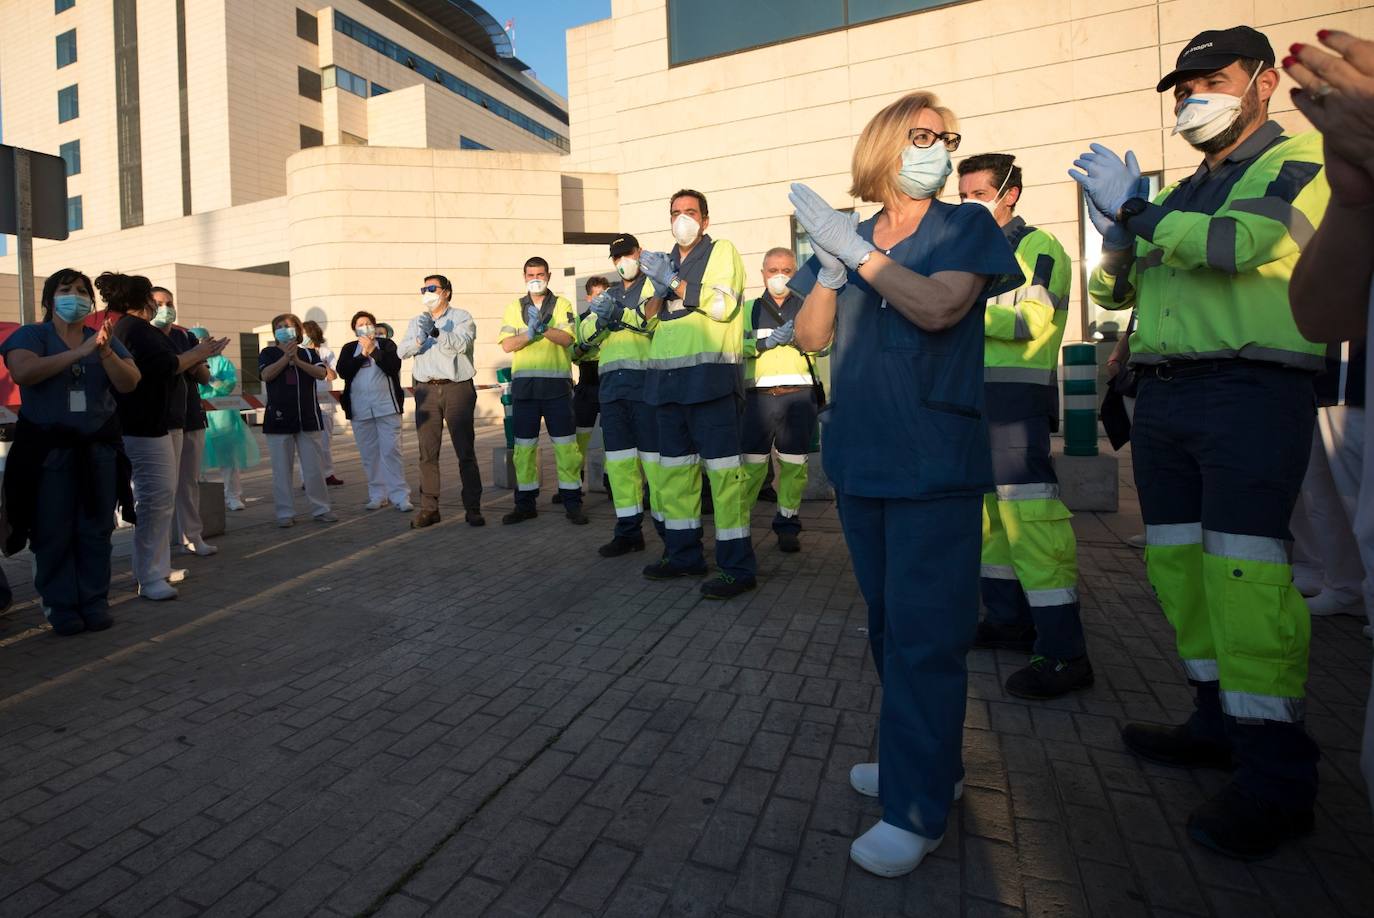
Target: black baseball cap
(1218,48)
(623,245)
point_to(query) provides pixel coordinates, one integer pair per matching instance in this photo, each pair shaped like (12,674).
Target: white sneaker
(178,575)
(233,504)
(405,506)
(157,591)
(376,504)
(1335,602)
(199,547)
(326,517)
(1309,583)
(864,779)
(285,522)
(1137,540)
(891,852)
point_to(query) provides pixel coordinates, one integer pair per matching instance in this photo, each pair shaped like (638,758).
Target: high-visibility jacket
(774,366)
(697,353)
(1208,275)
(1023,328)
(540,369)
(623,345)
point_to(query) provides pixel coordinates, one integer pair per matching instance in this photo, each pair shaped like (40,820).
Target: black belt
(434,382)
(1187,369)
(782,390)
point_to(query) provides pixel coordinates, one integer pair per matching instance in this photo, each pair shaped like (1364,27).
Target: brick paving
(356,719)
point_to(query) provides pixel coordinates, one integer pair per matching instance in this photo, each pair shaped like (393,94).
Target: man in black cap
(1222,426)
(615,325)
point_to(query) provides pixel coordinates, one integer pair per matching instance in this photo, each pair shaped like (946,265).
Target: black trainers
(1178,746)
(1245,827)
(518,516)
(620,546)
(577,517)
(997,636)
(1047,677)
(475,518)
(723,586)
(789,542)
(663,569)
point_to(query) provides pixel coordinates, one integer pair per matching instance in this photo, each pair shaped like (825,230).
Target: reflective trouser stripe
(1034,538)
(1260,624)
(792,474)
(996,571)
(1201,670)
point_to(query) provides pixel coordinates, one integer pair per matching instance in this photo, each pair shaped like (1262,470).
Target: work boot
(723,586)
(424,518)
(789,542)
(1181,746)
(663,569)
(518,516)
(577,517)
(998,636)
(334,482)
(1047,677)
(1246,827)
(621,545)
(475,518)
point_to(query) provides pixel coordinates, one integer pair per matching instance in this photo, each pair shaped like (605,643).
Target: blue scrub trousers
(629,424)
(71,537)
(1021,456)
(917,564)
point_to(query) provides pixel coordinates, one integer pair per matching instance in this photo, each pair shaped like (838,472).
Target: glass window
(62,5)
(75,219)
(71,155)
(68,106)
(1102,323)
(708,28)
(379,90)
(386,47)
(311,137)
(307,26)
(308,83)
(467,143)
(66,48)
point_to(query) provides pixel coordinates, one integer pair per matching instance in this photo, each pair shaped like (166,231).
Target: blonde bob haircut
(878,154)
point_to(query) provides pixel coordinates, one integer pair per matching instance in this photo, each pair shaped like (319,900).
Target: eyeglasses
(923,138)
(430,288)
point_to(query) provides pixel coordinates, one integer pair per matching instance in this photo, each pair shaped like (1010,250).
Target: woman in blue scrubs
(906,446)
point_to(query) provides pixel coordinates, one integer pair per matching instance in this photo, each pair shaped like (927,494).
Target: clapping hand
(1107,179)
(835,233)
(658,267)
(1337,96)
(783,335)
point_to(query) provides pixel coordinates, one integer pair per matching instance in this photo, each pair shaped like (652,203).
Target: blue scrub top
(48,403)
(905,415)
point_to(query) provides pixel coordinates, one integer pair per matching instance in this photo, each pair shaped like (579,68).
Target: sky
(539,32)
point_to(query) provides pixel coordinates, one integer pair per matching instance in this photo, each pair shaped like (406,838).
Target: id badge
(76,400)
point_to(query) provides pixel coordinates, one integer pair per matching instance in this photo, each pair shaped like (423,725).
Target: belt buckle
(1161,372)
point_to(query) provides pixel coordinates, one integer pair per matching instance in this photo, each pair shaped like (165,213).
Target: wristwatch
(863,261)
(1133,207)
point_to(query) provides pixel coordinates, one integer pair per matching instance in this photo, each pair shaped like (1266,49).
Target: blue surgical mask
(924,171)
(165,316)
(71,307)
(365,331)
(285,335)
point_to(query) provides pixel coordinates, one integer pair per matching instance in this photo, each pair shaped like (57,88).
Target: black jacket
(387,360)
(292,406)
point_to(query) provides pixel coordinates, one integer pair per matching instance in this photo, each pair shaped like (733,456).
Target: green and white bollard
(1080,400)
(503,457)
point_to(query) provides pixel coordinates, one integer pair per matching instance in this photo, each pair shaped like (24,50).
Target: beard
(1249,114)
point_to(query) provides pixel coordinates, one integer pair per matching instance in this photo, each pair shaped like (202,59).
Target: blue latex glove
(1107,180)
(782,335)
(828,228)
(603,307)
(532,328)
(833,274)
(425,324)
(1115,236)
(658,267)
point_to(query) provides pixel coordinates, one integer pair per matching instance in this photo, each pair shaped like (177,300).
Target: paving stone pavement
(357,719)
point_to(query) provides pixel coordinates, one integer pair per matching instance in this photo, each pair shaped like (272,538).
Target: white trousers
(283,449)
(186,525)
(154,462)
(233,484)
(379,444)
(1324,521)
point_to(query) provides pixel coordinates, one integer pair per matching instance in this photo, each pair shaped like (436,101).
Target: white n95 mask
(430,300)
(777,284)
(1204,115)
(685,230)
(628,268)
(535,287)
